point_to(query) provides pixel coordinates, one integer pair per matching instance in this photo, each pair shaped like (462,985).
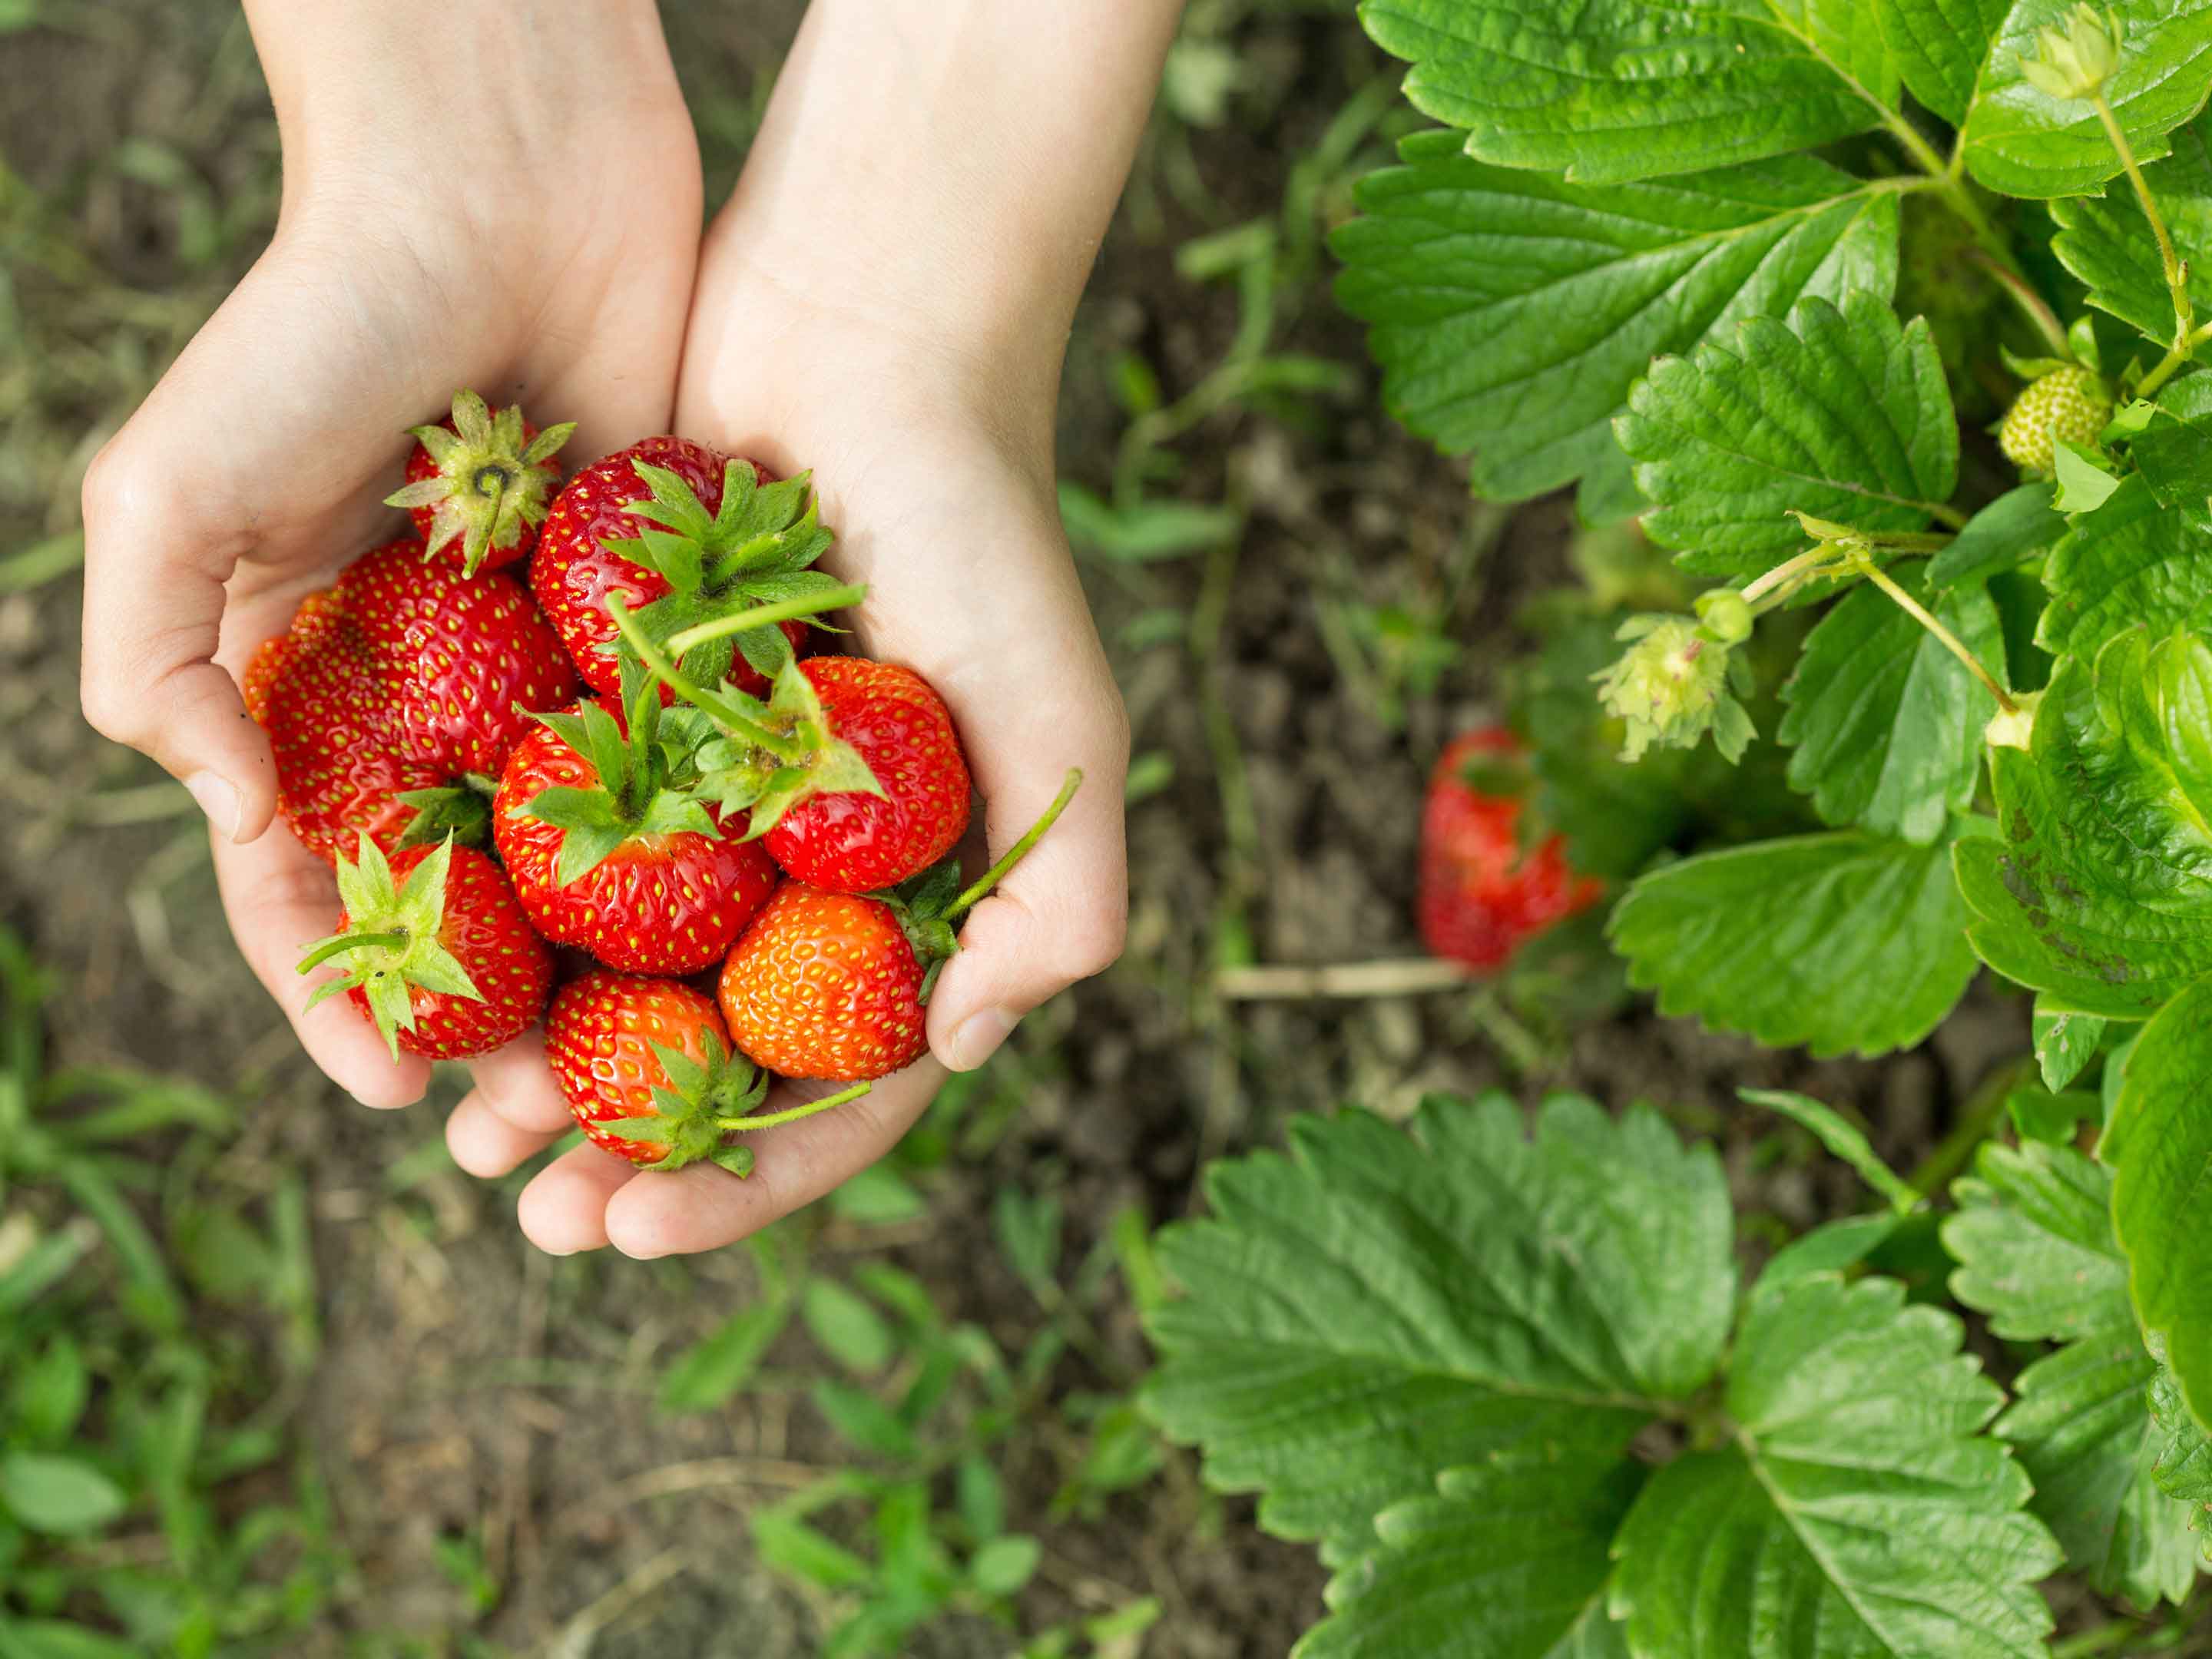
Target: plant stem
(2102,1639)
(792,1113)
(1944,636)
(766,616)
(1984,1111)
(1784,572)
(2179,354)
(727,712)
(339,944)
(1014,855)
(2023,292)
(2177,273)
(1393,977)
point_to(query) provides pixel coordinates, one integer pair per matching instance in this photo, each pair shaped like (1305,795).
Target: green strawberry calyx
(491,482)
(763,758)
(390,945)
(929,906)
(700,1104)
(756,549)
(460,811)
(641,777)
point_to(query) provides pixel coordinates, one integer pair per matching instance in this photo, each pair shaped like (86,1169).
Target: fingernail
(978,1038)
(219,799)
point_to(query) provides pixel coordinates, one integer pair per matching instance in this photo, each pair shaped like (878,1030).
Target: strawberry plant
(1887,322)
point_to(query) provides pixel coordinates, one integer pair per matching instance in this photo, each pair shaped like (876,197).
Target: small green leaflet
(2084,485)
(1886,724)
(2020,142)
(1464,269)
(1840,413)
(1940,47)
(2103,240)
(1385,1304)
(2032,1237)
(2037,1113)
(2159,1143)
(2065,1041)
(60,1495)
(1747,938)
(1615,90)
(1841,1137)
(2017,526)
(2098,889)
(2131,563)
(2174,448)
(1856,1419)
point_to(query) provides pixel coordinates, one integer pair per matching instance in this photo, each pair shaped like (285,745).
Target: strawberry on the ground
(478,483)
(647,1070)
(1482,892)
(403,678)
(435,951)
(834,985)
(851,769)
(607,851)
(683,535)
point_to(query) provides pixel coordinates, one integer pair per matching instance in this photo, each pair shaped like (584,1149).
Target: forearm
(945,167)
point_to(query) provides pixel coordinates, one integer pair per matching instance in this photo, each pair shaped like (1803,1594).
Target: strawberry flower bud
(1672,686)
(2076,62)
(1726,615)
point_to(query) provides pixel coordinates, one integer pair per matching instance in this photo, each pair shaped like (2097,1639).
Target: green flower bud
(1726,616)
(2077,61)
(1671,688)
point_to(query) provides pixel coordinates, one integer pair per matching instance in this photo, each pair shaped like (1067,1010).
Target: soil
(447,1399)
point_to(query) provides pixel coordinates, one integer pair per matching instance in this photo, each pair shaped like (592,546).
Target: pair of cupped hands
(543,254)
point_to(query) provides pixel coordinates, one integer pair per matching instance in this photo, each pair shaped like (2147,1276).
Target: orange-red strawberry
(436,951)
(681,535)
(403,677)
(1483,892)
(834,985)
(647,1071)
(609,853)
(478,483)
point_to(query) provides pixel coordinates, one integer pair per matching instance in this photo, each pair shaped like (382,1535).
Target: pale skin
(884,299)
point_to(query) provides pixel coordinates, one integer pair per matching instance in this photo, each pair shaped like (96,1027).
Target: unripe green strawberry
(2069,403)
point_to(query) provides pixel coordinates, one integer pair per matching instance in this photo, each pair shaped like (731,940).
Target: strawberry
(482,481)
(646,1068)
(393,687)
(436,952)
(606,850)
(1482,892)
(2068,403)
(834,985)
(683,535)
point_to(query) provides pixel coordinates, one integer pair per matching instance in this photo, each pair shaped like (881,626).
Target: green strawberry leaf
(1384,1304)
(1887,723)
(2032,1237)
(2019,526)
(1856,1419)
(2131,563)
(2037,1114)
(1940,47)
(1464,269)
(2174,448)
(1839,413)
(2103,240)
(2099,889)
(2066,1041)
(2084,484)
(2158,1142)
(2185,1463)
(2021,142)
(1843,1139)
(1739,937)
(1615,90)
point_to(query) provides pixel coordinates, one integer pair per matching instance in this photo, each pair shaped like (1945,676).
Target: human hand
(522,218)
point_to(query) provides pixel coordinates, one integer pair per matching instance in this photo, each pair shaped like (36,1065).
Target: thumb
(266,438)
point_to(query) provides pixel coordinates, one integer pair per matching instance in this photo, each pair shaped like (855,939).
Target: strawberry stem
(1944,637)
(727,712)
(339,944)
(991,877)
(792,1114)
(766,616)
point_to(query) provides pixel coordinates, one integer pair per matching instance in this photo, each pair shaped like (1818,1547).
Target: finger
(704,1208)
(280,897)
(564,1208)
(516,1083)
(483,1143)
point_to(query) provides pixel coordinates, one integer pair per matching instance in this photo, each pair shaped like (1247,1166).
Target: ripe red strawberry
(478,483)
(402,679)
(436,952)
(683,535)
(1482,892)
(647,1070)
(609,853)
(833,985)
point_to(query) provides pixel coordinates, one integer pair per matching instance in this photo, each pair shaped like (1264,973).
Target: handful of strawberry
(722,807)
